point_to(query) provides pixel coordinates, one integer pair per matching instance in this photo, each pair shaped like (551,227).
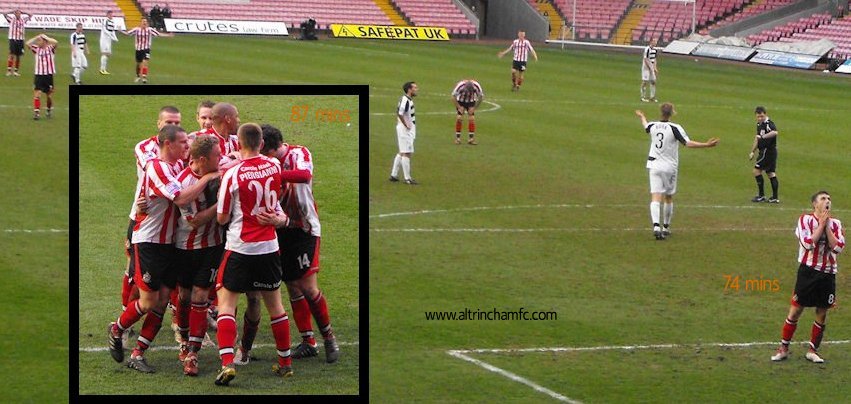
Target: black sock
(774,185)
(760,183)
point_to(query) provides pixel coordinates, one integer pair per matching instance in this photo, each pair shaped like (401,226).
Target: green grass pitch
(564,160)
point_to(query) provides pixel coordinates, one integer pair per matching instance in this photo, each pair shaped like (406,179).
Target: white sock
(103,59)
(652,90)
(76,74)
(643,90)
(654,212)
(397,162)
(406,167)
(669,211)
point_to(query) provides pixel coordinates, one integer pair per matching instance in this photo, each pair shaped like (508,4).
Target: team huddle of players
(224,210)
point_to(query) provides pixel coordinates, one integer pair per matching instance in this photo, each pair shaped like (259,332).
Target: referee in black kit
(766,141)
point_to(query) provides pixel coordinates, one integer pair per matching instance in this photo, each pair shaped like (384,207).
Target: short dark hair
(272,138)
(407,86)
(759,110)
(171,109)
(205,104)
(815,195)
(169,132)
(667,110)
(250,136)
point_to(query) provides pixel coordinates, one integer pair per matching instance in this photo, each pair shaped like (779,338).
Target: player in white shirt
(406,132)
(107,36)
(662,163)
(820,239)
(79,50)
(649,70)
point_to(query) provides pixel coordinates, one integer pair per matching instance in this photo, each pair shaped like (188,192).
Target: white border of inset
(462,354)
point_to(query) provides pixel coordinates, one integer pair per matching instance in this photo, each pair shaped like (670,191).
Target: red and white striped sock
(150,328)
(816,336)
(226,335)
(788,331)
(281,332)
(319,308)
(36,104)
(197,325)
(130,316)
(301,313)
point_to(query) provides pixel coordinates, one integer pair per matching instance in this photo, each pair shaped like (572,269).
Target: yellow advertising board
(389,32)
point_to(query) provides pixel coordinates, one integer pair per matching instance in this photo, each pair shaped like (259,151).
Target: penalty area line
(34,231)
(566,229)
(463,355)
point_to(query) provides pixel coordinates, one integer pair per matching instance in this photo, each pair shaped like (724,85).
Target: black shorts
(244,273)
(154,266)
(814,288)
(766,160)
(299,253)
(198,267)
(128,250)
(519,66)
(44,83)
(465,106)
(16,47)
(142,55)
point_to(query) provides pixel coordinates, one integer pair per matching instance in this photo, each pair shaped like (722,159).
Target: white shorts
(79,61)
(647,75)
(406,138)
(106,46)
(663,182)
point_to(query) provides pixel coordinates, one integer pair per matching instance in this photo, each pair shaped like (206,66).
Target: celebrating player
(17,21)
(251,260)
(467,96)
(820,238)
(199,249)
(153,244)
(298,235)
(662,163)
(521,47)
(144,38)
(107,36)
(44,48)
(79,50)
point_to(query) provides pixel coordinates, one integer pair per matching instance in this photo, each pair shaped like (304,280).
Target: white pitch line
(34,231)
(512,376)
(174,348)
(587,206)
(494,107)
(566,229)
(462,354)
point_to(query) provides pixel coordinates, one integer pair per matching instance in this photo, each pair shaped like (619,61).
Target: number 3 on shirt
(661,137)
(271,196)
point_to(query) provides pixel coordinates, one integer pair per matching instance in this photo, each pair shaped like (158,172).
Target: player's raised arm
(640,114)
(712,142)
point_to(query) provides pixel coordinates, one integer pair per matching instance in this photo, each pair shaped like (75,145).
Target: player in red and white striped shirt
(251,261)
(199,245)
(299,236)
(17,22)
(153,244)
(467,95)
(44,48)
(521,47)
(820,239)
(144,37)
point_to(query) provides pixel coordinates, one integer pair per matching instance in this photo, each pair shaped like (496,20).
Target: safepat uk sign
(389,32)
